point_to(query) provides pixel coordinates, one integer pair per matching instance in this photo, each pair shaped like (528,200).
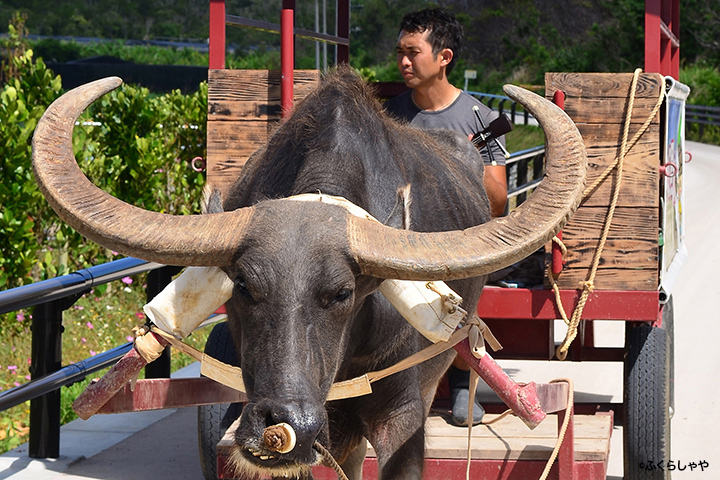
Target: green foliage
(142,148)
(22,102)
(54,50)
(704,83)
(136,146)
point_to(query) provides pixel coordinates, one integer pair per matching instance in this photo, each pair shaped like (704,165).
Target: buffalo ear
(212,200)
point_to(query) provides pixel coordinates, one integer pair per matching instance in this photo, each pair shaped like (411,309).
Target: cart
(632,281)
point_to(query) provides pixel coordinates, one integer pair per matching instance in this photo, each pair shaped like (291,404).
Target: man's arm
(495,183)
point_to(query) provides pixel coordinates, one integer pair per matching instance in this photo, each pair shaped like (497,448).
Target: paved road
(697,315)
(163,446)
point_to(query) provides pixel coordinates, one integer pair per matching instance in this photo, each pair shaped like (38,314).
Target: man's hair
(444,30)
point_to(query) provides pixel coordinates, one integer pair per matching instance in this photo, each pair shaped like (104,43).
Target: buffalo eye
(241,288)
(342,295)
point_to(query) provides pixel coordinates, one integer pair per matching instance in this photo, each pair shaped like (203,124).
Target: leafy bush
(22,101)
(135,146)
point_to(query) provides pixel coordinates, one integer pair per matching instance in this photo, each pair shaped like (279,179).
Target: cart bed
(508,449)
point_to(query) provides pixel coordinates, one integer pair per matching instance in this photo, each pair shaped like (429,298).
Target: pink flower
(12,368)
(127,280)
(20,316)
(129,338)
(140,315)
(89,325)
(83,340)
(92,353)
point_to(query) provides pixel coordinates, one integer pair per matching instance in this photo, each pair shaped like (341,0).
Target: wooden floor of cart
(504,450)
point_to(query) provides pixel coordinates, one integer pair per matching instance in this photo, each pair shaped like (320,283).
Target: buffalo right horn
(385,252)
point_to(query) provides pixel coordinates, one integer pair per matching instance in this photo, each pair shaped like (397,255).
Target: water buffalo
(304,312)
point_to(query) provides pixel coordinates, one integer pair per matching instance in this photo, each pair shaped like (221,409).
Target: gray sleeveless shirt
(459,117)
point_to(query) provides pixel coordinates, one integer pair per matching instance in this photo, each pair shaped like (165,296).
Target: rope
(589,284)
(329,461)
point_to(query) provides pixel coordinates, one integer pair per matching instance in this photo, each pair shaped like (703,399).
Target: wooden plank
(241,94)
(610,279)
(630,257)
(601,110)
(632,240)
(511,439)
(243,112)
(640,180)
(612,85)
(161,393)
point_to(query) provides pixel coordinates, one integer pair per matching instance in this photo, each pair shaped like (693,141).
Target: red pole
(557,262)
(216,46)
(652,35)
(521,398)
(287,56)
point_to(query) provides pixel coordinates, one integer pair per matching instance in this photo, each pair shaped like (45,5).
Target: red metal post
(566,455)
(557,262)
(662,31)
(287,55)
(343,30)
(216,52)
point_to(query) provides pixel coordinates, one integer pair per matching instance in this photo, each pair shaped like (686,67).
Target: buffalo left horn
(168,239)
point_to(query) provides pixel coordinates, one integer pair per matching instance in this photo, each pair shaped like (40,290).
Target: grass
(523,137)
(100,320)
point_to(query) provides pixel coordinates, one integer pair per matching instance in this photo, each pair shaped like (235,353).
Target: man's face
(416,62)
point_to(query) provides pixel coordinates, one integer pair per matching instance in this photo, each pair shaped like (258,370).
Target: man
(427,48)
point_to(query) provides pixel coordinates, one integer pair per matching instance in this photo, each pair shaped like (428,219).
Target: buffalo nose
(291,422)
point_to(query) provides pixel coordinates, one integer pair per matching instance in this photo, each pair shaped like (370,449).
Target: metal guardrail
(702,115)
(524,172)
(68,285)
(49,299)
(506,105)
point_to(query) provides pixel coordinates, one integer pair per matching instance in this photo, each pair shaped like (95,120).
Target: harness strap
(231,376)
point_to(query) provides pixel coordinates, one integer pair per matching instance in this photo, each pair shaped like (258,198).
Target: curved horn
(202,240)
(389,253)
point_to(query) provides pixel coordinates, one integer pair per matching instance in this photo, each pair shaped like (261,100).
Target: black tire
(648,395)
(214,420)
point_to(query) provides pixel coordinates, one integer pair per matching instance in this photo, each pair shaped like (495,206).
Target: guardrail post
(46,358)
(157,280)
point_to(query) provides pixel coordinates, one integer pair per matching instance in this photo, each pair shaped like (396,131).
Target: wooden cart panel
(597,103)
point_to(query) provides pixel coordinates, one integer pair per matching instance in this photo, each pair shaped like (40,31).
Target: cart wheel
(214,420)
(647,397)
